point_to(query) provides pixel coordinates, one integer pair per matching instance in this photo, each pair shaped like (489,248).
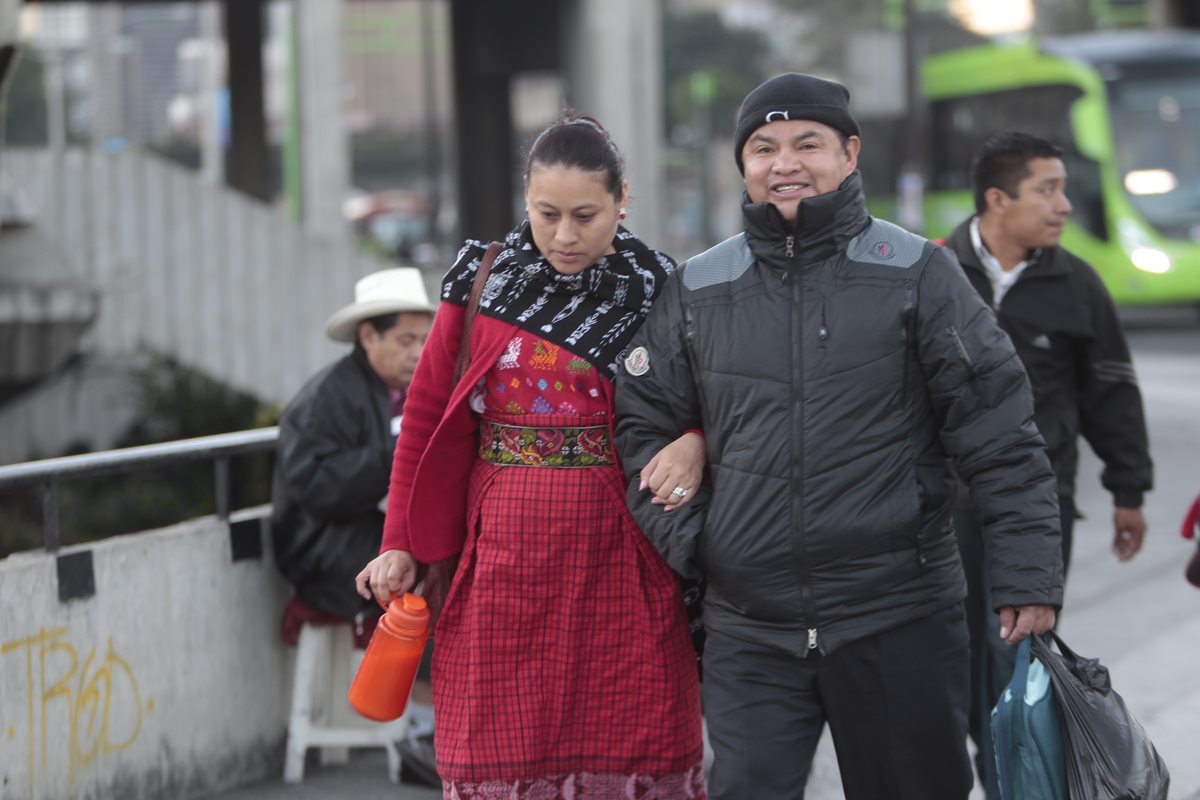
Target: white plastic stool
(309,724)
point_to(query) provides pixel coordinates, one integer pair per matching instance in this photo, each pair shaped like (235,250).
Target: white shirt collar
(1001,279)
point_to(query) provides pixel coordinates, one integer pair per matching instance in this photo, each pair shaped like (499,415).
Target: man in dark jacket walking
(833,362)
(336,439)
(1065,329)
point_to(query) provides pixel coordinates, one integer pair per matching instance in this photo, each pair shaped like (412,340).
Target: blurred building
(149,40)
(397,53)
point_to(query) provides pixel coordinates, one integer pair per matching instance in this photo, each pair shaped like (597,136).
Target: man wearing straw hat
(334,456)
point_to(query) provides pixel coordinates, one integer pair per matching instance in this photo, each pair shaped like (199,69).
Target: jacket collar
(824,225)
(359,357)
(1044,263)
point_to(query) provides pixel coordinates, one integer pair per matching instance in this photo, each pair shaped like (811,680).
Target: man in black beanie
(835,363)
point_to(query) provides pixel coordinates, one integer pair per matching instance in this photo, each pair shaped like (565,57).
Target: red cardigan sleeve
(426,404)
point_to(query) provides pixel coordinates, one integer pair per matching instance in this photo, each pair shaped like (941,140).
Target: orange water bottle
(380,689)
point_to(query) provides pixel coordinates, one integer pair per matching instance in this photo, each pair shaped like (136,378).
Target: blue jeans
(992,660)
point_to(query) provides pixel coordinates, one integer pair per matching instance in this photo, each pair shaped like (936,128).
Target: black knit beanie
(793,96)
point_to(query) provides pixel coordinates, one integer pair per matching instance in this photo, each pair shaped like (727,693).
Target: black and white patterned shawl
(593,314)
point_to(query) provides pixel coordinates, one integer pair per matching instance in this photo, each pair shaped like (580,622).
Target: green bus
(1125,107)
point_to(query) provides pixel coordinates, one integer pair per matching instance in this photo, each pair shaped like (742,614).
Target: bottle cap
(413,602)
(407,613)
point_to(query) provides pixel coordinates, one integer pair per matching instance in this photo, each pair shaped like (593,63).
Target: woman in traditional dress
(563,666)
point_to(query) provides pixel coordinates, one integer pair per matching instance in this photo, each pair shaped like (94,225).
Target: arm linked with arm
(652,410)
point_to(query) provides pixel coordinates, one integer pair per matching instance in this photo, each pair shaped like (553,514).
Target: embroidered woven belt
(545,447)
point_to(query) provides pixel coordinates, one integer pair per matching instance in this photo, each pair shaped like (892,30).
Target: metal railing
(49,472)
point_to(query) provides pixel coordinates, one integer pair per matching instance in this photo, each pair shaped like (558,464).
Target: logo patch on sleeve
(637,363)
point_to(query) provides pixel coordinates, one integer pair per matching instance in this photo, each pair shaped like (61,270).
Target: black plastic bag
(1109,755)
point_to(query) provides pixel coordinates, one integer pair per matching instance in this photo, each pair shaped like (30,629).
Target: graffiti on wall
(78,706)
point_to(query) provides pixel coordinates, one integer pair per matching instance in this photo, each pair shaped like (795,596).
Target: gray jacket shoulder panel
(722,263)
(887,245)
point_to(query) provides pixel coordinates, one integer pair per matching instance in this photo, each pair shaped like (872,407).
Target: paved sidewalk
(363,778)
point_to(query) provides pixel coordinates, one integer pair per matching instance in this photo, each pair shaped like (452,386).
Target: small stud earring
(621,214)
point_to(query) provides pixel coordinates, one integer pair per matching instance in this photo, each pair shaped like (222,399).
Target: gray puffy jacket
(833,365)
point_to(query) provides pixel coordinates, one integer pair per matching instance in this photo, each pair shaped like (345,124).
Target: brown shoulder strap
(464,343)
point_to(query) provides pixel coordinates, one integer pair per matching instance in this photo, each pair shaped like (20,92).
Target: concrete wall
(89,402)
(171,681)
(224,283)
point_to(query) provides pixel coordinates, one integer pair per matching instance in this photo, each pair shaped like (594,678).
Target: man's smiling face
(788,160)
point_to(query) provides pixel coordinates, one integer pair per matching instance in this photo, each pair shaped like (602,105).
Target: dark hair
(384,323)
(1003,162)
(578,141)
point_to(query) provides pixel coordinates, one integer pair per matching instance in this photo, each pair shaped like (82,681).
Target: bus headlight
(1150,259)
(1151,181)
(1142,252)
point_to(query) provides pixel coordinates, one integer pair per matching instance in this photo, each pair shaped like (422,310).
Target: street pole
(56,103)
(212,154)
(433,152)
(702,87)
(293,157)
(910,189)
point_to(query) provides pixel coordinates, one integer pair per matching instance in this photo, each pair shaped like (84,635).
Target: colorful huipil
(563,666)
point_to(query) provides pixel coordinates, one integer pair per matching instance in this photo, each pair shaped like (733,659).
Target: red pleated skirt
(562,665)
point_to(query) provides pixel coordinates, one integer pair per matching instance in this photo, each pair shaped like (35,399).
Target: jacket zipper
(690,337)
(798,440)
(906,333)
(910,343)
(962,351)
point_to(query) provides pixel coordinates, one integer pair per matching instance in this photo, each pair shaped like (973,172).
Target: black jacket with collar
(833,365)
(333,463)
(1065,327)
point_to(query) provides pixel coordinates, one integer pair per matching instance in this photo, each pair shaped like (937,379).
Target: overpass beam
(483,114)
(246,161)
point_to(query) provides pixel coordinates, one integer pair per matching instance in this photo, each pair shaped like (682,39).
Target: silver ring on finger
(679,492)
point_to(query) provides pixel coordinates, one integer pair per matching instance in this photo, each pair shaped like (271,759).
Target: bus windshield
(1156,128)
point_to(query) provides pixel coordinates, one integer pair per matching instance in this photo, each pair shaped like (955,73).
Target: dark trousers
(895,703)
(992,660)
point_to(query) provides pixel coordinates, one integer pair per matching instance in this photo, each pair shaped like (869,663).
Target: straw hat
(388,291)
